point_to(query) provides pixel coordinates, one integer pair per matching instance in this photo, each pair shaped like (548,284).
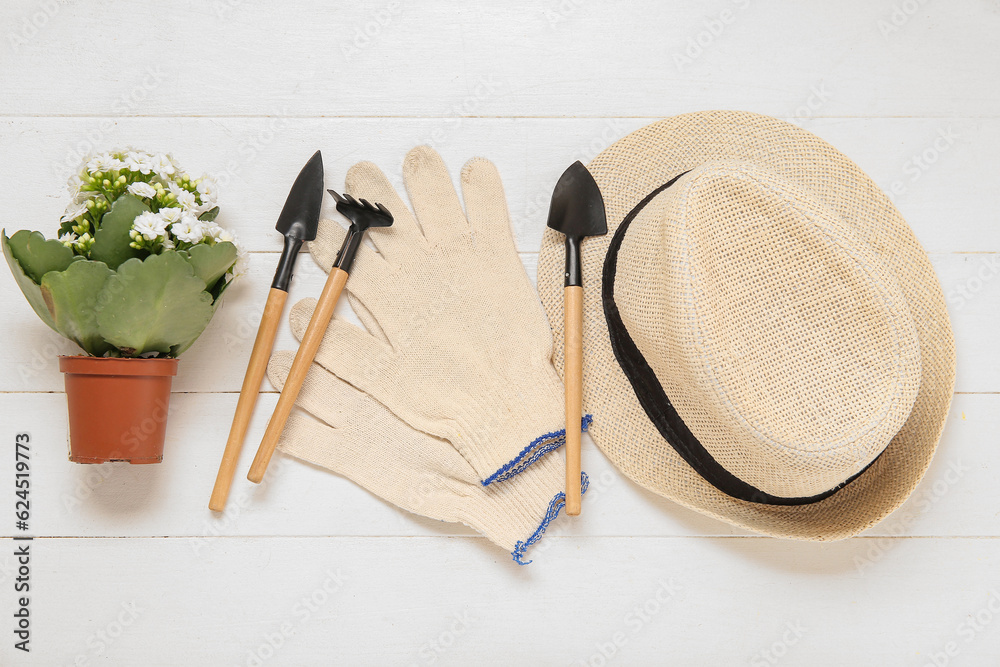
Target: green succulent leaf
(210,215)
(72,296)
(211,262)
(153,305)
(32,292)
(38,255)
(216,292)
(111,242)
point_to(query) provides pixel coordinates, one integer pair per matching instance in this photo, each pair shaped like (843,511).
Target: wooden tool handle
(573,337)
(297,374)
(248,396)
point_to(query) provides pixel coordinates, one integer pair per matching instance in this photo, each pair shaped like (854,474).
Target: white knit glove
(457,344)
(360,439)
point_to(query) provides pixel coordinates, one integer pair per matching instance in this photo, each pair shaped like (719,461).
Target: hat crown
(778,334)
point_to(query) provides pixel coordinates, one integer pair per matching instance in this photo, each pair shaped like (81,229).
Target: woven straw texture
(788,311)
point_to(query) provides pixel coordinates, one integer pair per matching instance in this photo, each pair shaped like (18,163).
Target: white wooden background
(131,568)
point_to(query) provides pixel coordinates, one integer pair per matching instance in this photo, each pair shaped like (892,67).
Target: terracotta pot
(118,408)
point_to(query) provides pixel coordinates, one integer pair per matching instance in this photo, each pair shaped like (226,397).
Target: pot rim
(85,365)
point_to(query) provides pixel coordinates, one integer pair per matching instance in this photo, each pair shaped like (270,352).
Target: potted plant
(134,278)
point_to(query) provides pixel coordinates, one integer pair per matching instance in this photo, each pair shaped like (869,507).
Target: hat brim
(641,162)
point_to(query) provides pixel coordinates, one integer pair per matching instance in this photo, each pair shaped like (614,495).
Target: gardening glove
(356,436)
(457,344)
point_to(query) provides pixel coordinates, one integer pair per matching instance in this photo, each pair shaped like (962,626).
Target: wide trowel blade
(300,216)
(577,207)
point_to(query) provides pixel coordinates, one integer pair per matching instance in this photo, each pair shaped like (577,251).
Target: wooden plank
(940,169)
(132,568)
(566,58)
(379,601)
(957,498)
(218,360)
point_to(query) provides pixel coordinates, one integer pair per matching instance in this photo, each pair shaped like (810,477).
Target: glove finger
(330,236)
(368,320)
(358,437)
(364,424)
(433,196)
(402,466)
(315,442)
(370,272)
(485,201)
(323,395)
(346,350)
(366,181)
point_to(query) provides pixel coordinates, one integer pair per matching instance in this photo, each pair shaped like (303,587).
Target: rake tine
(355,210)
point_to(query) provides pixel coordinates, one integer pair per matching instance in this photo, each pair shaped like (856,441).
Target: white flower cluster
(132,160)
(176,201)
(183,226)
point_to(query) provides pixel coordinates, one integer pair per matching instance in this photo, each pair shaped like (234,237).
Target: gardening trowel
(298,222)
(577,210)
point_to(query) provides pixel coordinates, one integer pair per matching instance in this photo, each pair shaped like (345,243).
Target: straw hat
(765,340)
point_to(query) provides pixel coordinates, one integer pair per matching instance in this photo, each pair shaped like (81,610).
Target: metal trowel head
(577,207)
(299,218)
